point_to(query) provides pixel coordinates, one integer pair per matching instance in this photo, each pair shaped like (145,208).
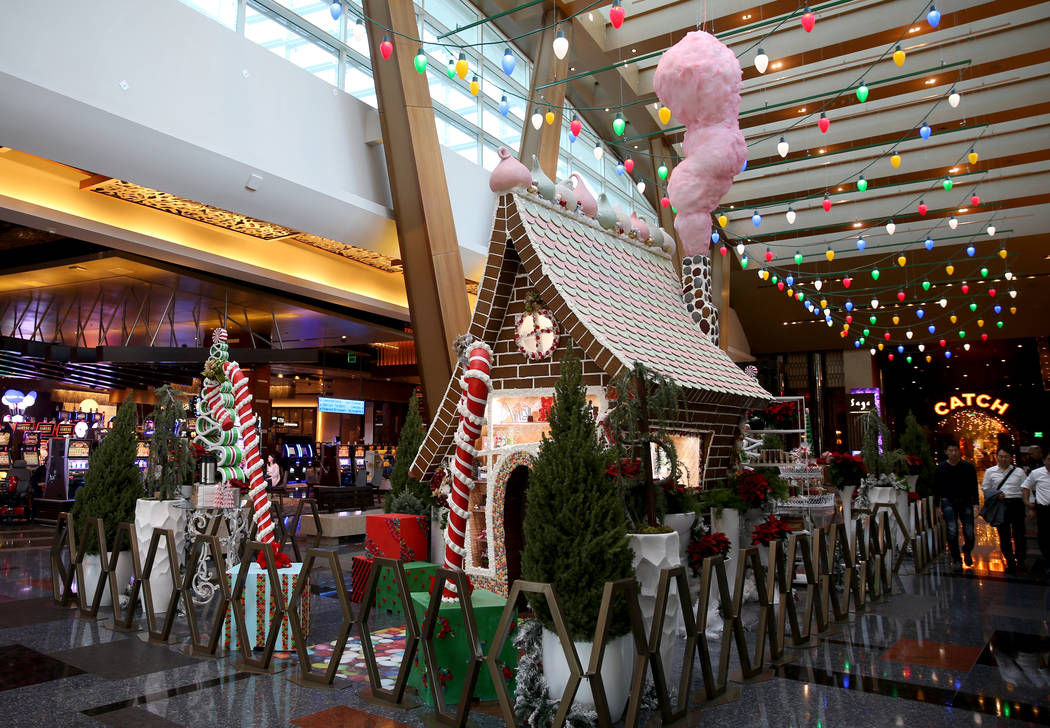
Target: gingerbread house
(554,275)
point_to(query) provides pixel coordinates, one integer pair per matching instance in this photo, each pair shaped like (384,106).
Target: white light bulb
(922,347)
(908,333)
(597,150)
(991,230)
(359,31)
(1013,293)
(966,345)
(783,147)
(872,352)
(641,188)
(740,248)
(874,303)
(761,61)
(537,120)
(561,45)
(952,222)
(1008,276)
(762,273)
(790,215)
(954,98)
(829,322)
(818,284)
(890,227)
(943,302)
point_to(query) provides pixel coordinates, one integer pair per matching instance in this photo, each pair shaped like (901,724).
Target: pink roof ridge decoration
(509,173)
(586,199)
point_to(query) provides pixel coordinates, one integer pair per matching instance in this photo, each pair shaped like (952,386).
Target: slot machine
(77,454)
(30,449)
(5,450)
(346,465)
(359,463)
(142,456)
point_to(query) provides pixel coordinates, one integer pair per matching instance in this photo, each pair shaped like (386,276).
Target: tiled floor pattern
(950,649)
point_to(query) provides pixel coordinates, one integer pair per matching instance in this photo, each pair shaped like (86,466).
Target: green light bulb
(984,272)
(421,62)
(862,93)
(619,125)
(798,257)
(661,171)
(947,184)
(862,184)
(999,324)
(872,319)
(875,274)
(867,332)
(973,306)
(925,285)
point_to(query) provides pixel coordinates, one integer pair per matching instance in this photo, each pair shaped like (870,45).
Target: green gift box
(450,645)
(418,575)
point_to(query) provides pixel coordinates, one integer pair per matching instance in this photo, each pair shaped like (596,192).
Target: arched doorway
(514,520)
(978,434)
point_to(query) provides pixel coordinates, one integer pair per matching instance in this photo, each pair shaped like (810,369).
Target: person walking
(955,487)
(1008,479)
(1036,492)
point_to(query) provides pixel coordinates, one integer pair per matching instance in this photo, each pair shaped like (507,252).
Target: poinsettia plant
(709,544)
(844,469)
(772,529)
(756,487)
(782,415)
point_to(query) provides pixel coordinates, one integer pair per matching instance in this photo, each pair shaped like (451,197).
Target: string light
(899,56)
(808,20)
(336,9)
(862,184)
(861,243)
(420,62)
(952,222)
(895,160)
(830,255)
(761,61)
(475,88)
(990,230)
(972,156)
(619,125)
(509,62)
(451,68)
(929,243)
(386,48)
(537,122)
(783,147)
(824,123)
(597,150)
(954,98)
(933,17)
(862,92)
(560,44)
(359,31)
(756,219)
(890,227)
(826,203)
(617,14)
(665,115)
(740,248)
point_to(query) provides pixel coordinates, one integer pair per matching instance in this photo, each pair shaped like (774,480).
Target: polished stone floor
(950,649)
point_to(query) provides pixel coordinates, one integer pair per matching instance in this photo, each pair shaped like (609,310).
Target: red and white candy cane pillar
(476,386)
(247,423)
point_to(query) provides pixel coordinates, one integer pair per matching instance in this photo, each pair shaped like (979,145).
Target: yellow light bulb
(899,56)
(475,87)
(902,261)
(823,303)
(829,254)
(896,320)
(845,326)
(949,269)
(665,115)
(895,160)
(549,117)
(1013,309)
(1002,253)
(980,323)
(723,220)
(790,292)
(462,67)
(880,346)
(928,358)
(972,157)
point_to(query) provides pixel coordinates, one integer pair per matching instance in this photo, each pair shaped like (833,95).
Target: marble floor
(949,649)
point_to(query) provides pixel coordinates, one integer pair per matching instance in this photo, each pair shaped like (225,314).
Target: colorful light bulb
(665,115)
(619,125)
(862,92)
(386,48)
(509,62)
(617,14)
(790,215)
(898,56)
(761,61)
(462,66)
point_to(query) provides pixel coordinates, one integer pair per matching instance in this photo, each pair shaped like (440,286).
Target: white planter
(92,569)
(654,552)
(437,542)
(616,674)
(682,524)
(729,524)
(913,480)
(847,494)
(151,514)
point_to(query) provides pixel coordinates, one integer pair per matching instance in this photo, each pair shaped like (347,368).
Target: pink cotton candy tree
(699,80)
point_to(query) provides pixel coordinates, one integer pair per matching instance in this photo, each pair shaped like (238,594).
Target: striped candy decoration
(476,386)
(216,426)
(247,422)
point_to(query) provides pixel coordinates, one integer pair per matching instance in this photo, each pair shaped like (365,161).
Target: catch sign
(984,401)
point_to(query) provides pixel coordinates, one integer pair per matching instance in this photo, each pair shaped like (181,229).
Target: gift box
(418,574)
(259,607)
(397,535)
(359,571)
(451,651)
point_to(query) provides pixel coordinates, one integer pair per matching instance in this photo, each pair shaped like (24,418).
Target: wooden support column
(545,142)
(434,280)
(723,270)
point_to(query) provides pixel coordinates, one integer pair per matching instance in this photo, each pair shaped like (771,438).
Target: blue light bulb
(756,219)
(509,62)
(861,243)
(620,169)
(856,344)
(849,305)
(925,130)
(933,17)
(929,243)
(971,251)
(997,308)
(742,169)
(715,237)
(931,328)
(920,313)
(504,106)
(790,280)
(900,349)
(336,9)
(947,355)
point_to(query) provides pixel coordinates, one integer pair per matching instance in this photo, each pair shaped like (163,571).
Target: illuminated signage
(341,406)
(984,401)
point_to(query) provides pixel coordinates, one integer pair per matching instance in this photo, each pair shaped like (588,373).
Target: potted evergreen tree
(112,484)
(408,495)
(575,539)
(171,466)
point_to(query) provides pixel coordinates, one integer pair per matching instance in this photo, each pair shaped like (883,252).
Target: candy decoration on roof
(564,195)
(701,78)
(476,386)
(617,14)
(606,215)
(543,183)
(508,173)
(386,48)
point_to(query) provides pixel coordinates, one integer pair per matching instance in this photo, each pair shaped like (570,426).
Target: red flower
(281,560)
(753,488)
(711,544)
(770,530)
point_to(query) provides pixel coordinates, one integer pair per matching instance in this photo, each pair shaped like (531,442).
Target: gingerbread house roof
(619,300)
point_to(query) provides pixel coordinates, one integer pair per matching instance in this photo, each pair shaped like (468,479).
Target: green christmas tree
(914,442)
(407,448)
(112,483)
(575,528)
(171,461)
